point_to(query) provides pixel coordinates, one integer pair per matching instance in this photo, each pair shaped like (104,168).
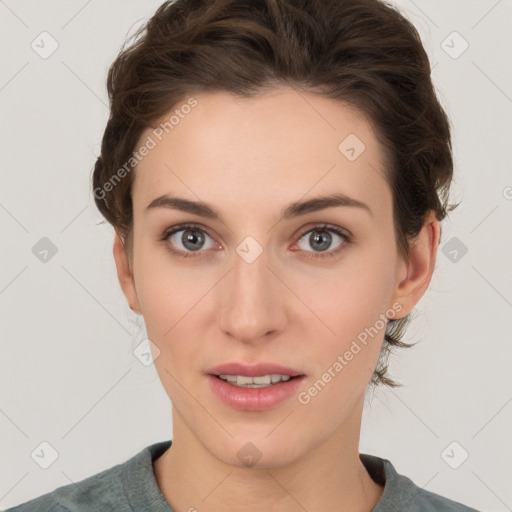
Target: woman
(276,173)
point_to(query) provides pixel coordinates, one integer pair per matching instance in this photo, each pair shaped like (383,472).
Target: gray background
(69,374)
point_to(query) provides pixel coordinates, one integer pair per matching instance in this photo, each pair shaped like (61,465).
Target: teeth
(261,381)
(240,379)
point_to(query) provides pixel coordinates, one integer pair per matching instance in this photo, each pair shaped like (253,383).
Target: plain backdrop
(68,372)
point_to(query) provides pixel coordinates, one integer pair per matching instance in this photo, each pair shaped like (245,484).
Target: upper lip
(252,371)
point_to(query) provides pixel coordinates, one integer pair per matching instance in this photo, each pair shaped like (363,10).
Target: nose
(253,301)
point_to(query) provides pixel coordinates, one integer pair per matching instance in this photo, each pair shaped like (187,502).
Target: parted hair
(363,53)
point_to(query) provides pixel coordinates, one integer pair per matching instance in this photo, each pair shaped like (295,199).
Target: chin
(257,451)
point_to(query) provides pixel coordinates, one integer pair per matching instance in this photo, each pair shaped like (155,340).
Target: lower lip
(254,399)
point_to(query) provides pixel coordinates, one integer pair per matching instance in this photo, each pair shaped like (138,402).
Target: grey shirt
(132,486)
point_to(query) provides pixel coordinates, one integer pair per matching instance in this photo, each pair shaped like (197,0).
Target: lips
(254,399)
(254,370)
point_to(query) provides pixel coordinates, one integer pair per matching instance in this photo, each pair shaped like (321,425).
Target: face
(260,282)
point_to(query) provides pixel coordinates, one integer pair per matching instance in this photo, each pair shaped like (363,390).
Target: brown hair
(363,53)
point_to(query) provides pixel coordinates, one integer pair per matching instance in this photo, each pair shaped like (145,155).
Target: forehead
(272,148)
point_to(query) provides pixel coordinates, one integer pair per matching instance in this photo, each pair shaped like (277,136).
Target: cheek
(351,303)
(350,297)
(166,291)
(344,358)
(169,304)
(171,298)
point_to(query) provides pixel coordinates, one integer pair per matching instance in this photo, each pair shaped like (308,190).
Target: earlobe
(125,275)
(419,267)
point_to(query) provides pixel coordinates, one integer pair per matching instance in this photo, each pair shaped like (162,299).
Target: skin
(249,158)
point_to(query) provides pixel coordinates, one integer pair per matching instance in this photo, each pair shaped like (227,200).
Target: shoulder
(86,495)
(103,491)
(45,503)
(426,501)
(401,493)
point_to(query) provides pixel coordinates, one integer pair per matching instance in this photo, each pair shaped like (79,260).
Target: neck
(330,476)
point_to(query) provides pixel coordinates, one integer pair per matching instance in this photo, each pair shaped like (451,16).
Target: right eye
(188,238)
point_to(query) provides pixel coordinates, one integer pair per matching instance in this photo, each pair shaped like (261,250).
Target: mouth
(254,388)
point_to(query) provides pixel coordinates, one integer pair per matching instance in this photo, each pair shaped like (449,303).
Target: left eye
(320,239)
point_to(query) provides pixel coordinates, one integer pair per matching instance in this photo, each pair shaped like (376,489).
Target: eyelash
(320,227)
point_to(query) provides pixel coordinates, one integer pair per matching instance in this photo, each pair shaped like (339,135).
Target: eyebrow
(295,209)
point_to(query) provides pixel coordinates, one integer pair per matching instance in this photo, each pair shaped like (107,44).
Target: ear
(125,276)
(415,274)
